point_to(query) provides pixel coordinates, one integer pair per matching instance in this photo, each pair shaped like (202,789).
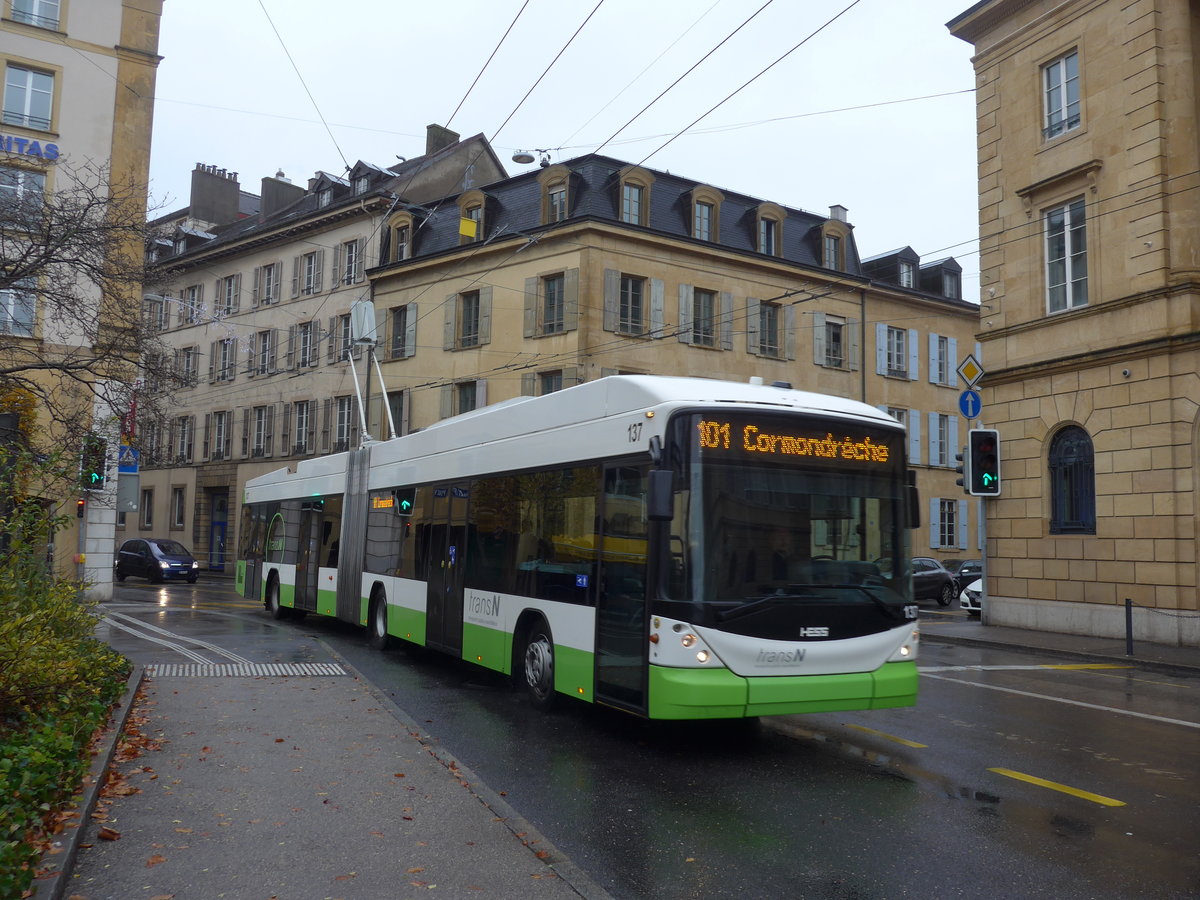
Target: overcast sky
(873,111)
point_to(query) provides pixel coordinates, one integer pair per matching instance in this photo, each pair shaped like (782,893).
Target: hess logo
(814,631)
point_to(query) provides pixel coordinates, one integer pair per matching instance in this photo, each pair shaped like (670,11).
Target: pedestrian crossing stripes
(240,670)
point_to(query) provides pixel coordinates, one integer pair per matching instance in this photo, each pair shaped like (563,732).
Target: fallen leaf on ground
(155,860)
(108,834)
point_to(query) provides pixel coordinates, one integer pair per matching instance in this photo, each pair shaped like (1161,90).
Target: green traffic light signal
(93,463)
(984,455)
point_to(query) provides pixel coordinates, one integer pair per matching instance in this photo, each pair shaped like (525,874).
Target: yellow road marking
(890,737)
(1089,666)
(1055,786)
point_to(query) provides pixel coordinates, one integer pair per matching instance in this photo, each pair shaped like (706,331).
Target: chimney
(438,138)
(277,193)
(215,195)
(838,213)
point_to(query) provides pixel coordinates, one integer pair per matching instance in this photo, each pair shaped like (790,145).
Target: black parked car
(158,559)
(964,570)
(933,581)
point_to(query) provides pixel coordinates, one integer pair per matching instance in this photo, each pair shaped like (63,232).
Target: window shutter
(450,326)
(410,332)
(726,320)
(612,299)
(952,434)
(935,448)
(337,280)
(237,292)
(789,331)
(914,355)
(252,355)
(571,300)
(570,376)
(212,362)
(935,522)
(530,311)
(952,362)
(686,295)
(962,526)
(290,358)
(204,448)
(933,358)
(273,349)
(528,384)
(914,437)
(359,260)
(753,308)
(268,439)
(295,276)
(326,424)
(851,343)
(881,336)
(331,342)
(657,307)
(480,393)
(312,426)
(285,429)
(245,432)
(447,404)
(255,285)
(318,266)
(485,315)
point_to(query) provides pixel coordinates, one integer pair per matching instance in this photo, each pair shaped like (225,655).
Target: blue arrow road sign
(969,404)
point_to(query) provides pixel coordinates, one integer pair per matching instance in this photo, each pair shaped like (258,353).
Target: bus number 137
(714,434)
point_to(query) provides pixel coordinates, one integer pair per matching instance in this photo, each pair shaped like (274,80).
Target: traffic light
(963,469)
(94,463)
(80,505)
(983,459)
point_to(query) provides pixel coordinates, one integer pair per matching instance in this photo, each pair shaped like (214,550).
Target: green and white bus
(680,548)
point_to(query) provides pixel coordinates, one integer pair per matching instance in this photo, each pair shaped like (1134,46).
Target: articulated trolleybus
(679,548)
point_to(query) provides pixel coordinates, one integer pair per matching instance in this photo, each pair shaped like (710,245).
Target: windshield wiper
(752,604)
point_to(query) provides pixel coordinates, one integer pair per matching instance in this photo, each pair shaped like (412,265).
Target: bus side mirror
(661,499)
(914,502)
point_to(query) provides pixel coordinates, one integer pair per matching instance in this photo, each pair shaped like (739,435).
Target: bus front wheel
(539,667)
(378,638)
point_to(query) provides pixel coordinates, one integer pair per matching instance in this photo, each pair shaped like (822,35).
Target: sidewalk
(299,788)
(1153,657)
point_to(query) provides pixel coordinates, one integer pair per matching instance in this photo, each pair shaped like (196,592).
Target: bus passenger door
(446,535)
(622,632)
(307,557)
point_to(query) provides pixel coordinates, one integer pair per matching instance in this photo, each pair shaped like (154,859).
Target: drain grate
(240,670)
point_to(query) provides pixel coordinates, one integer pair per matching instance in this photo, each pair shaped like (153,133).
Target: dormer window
(908,274)
(472,219)
(832,256)
(324,197)
(556,194)
(635,195)
(706,213)
(360,184)
(768,228)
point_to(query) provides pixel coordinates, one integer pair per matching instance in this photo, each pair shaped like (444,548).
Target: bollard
(1128,627)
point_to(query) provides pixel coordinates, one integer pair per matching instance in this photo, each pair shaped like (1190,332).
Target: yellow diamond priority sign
(970,371)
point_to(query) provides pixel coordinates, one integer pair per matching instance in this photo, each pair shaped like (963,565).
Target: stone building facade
(1090,236)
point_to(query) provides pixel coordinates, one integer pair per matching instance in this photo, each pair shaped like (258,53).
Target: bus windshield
(793,516)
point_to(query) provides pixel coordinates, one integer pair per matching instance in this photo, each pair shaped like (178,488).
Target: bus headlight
(702,656)
(908,650)
(688,640)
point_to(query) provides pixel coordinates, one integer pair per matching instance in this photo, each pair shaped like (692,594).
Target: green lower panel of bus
(407,624)
(573,669)
(240,578)
(287,595)
(720,694)
(326,602)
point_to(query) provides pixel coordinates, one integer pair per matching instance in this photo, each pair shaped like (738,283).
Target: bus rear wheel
(273,605)
(539,667)
(377,623)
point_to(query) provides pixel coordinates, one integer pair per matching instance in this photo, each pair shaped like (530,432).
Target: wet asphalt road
(1012,777)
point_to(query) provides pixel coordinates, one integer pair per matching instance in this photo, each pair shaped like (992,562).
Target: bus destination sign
(777,439)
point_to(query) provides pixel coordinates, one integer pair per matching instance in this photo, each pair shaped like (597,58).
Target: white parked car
(971,598)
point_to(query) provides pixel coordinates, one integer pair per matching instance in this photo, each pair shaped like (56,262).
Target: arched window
(1072,483)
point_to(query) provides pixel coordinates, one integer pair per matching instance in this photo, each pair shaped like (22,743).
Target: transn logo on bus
(814,631)
(780,657)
